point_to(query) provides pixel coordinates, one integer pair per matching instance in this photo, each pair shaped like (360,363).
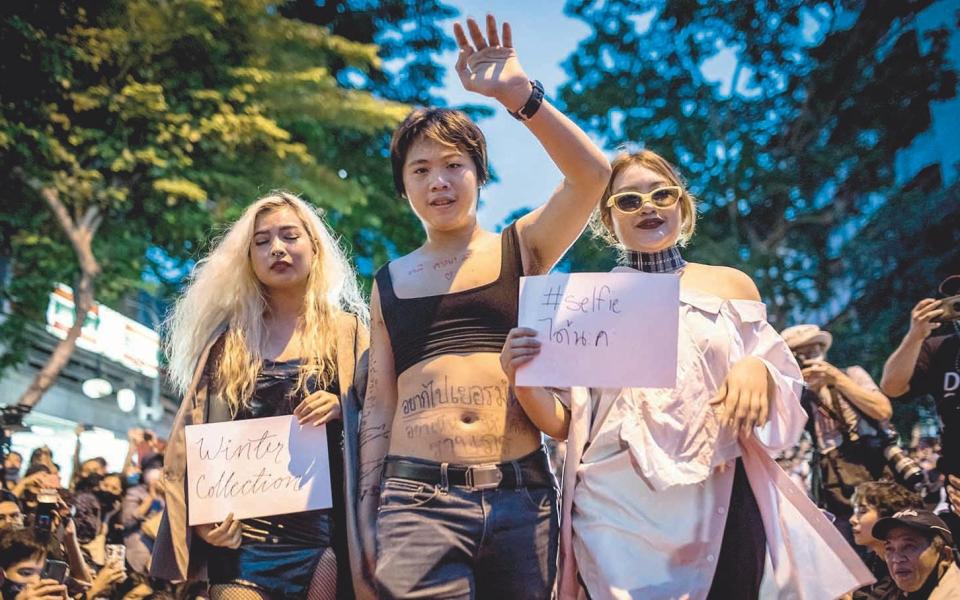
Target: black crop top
(474,320)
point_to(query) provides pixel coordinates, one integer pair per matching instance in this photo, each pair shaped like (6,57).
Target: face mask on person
(11,474)
(9,589)
(107,500)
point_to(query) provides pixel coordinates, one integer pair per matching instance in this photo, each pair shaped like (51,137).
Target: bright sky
(543,37)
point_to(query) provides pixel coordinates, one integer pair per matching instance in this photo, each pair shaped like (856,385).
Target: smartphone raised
(56,570)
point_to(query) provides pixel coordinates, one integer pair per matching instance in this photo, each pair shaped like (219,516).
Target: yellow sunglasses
(629,202)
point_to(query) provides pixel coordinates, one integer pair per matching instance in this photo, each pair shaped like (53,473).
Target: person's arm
(75,474)
(489,66)
(136,505)
(863,393)
(543,408)
(900,367)
(134,437)
(376,420)
(78,566)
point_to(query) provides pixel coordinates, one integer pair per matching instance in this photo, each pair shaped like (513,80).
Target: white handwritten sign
(256,468)
(601,329)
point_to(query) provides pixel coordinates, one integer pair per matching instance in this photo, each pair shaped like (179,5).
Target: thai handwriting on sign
(565,331)
(592,333)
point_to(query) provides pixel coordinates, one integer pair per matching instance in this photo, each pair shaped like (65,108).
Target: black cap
(921,520)
(950,286)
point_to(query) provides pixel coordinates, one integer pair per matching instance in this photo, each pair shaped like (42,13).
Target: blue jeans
(466,544)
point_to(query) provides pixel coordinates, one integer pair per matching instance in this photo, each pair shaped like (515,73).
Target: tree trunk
(81,238)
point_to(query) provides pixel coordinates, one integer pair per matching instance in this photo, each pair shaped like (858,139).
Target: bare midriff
(457,408)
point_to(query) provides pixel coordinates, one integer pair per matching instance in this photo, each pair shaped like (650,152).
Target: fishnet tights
(323,585)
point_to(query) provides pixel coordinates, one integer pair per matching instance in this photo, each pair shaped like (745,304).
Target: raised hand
(922,318)
(489,65)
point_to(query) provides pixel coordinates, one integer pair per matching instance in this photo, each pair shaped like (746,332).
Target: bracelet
(533,103)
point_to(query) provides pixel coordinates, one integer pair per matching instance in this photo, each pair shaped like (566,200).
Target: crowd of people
(87,537)
(664,493)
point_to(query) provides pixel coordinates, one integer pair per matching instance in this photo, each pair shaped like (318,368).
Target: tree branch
(81,239)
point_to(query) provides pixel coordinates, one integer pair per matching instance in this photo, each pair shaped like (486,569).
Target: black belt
(532,470)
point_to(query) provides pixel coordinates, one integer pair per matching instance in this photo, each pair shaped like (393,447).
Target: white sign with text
(256,468)
(601,329)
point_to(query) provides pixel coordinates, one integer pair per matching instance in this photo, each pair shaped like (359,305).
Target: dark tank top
(274,396)
(474,320)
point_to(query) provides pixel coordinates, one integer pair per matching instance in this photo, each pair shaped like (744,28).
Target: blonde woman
(671,493)
(271,323)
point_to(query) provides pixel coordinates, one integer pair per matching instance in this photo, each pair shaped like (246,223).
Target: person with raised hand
(457,496)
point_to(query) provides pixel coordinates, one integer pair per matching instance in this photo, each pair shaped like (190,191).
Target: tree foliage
(162,120)
(791,149)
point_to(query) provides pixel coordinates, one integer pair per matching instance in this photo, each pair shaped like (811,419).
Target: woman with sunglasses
(682,477)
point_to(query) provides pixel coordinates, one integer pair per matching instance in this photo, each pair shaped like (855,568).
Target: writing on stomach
(457,408)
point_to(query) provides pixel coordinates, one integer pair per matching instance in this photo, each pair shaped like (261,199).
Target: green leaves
(793,123)
(170,117)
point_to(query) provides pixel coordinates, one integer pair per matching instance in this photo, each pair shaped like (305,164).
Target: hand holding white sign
(255,468)
(599,330)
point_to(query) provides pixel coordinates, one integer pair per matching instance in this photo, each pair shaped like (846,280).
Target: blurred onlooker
(22,559)
(43,456)
(918,549)
(926,364)
(142,510)
(108,491)
(872,501)
(11,515)
(12,463)
(848,412)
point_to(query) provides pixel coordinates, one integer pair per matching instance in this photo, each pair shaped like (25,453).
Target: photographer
(847,412)
(23,558)
(930,364)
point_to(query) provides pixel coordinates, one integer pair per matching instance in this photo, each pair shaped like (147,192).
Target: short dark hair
(17,545)
(37,468)
(887,497)
(7,496)
(442,125)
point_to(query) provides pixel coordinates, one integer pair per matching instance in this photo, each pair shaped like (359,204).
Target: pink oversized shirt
(648,475)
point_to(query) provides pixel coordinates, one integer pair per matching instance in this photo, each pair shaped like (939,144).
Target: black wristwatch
(532,105)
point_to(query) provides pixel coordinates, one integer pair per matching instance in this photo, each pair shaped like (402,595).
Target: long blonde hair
(224,291)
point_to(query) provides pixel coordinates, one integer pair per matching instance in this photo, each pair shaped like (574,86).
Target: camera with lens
(905,470)
(951,309)
(44,515)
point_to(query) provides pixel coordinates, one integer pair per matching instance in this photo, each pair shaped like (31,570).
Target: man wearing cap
(918,548)
(930,364)
(846,409)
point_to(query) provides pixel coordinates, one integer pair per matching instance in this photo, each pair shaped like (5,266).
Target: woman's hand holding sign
(543,408)
(318,408)
(521,347)
(225,535)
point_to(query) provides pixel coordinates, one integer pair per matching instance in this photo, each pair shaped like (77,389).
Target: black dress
(279,554)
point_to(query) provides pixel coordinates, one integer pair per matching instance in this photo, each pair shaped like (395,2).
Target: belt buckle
(484,477)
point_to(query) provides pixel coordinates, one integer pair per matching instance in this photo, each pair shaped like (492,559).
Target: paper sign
(256,468)
(601,329)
